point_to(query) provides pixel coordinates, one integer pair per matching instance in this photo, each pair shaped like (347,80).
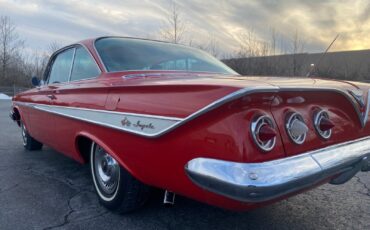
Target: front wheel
(117,189)
(29,142)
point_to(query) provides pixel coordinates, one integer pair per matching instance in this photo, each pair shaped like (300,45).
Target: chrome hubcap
(24,134)
(106,170)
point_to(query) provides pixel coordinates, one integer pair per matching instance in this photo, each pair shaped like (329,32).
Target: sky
(40,22)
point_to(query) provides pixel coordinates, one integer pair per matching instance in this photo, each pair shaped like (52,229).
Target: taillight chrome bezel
(291,118)
(256,125)
(317,121)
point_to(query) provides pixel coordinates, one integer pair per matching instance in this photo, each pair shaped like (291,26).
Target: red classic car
(153,114)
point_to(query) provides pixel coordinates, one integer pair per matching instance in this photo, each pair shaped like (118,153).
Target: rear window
(124,54)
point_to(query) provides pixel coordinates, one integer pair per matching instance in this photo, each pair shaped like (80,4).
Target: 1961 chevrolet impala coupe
(152,114)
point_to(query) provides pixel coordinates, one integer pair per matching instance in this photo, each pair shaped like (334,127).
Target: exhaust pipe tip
(169,198)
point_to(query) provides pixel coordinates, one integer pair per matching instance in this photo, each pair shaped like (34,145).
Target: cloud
(40,22)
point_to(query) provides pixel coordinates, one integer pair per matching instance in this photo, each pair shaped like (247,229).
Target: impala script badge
(139,124)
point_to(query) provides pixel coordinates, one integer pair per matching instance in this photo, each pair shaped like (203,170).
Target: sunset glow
(316,22)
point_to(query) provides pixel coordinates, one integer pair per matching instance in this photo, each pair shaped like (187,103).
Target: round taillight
(296,128)
(264,133)
(322,124)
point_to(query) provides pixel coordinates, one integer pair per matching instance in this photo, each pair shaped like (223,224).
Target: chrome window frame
(46,74)
(73,62)
(52,60)
(91,56)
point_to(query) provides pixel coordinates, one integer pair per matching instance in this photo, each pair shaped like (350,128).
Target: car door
(41,121)
(81,91)
(37,121)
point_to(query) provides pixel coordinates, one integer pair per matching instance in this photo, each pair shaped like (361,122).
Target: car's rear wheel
(117,189)
(29,142)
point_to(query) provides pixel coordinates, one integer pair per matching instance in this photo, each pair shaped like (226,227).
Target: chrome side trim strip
(269,89)
(160,128)
(144,125)
(230,97)
(365,115)
(258,182)
(98,55)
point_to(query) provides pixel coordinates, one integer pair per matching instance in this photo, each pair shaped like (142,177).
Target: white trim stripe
(144,125)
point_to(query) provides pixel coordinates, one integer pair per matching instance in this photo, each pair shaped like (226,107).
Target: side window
(83,66)
(61,67)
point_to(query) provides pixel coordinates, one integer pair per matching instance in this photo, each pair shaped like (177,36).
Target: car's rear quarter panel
(222,134)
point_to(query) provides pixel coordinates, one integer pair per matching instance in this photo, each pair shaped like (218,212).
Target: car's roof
(92,40)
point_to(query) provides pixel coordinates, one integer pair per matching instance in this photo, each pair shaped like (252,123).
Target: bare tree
(298,45)
(273,41)
(10,45)
(211,46)
(251,46)
(38,63)
(175,26)
(53,46)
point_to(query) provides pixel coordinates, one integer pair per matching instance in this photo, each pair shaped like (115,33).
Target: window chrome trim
(52,60)
(96,64)
(167,72)
(74,46)
(98,55)
(73,61)
(92,57)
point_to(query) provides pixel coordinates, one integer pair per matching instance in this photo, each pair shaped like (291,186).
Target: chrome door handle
(52,97)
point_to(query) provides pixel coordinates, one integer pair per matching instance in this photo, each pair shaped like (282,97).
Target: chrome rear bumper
(257,182)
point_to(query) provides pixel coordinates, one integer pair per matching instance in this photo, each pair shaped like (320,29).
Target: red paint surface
(223,133)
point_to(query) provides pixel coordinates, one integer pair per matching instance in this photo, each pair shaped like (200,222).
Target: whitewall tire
(29,142)
(116,188)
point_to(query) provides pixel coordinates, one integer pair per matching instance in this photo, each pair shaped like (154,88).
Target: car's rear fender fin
(349,119)
(347,116)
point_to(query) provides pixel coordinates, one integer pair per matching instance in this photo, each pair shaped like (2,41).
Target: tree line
(253,55)
(17,66)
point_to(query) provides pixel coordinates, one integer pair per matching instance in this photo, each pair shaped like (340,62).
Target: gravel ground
(46,190)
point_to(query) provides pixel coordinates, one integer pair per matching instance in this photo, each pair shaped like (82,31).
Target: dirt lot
(45,190)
